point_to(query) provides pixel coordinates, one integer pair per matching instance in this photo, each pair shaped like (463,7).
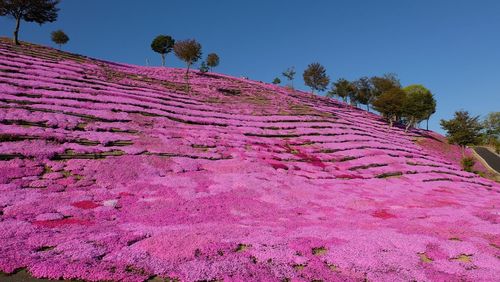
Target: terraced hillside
(115,172)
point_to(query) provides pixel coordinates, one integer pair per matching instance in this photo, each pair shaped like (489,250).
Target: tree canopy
(39,11)
(315,77)
(343,89)
(212,60)
(363,92)
(491,126)
(59,37)
(162,44)
(463,129)
(381,84)
(188,51)
(391,104)
(419,104)
(289,73)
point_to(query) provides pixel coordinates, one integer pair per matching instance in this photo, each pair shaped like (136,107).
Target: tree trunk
(427,125)
(162,60)
(187,77)
(410,123)
(16,31)
(368,107)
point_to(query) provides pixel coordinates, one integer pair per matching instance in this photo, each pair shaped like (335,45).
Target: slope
(111,171)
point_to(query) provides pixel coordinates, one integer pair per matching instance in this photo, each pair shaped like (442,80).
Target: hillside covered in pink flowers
(114,172)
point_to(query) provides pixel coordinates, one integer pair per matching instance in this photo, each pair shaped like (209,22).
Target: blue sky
(450,46)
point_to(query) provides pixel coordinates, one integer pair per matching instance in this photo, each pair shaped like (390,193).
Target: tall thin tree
(289,73)
(188,51)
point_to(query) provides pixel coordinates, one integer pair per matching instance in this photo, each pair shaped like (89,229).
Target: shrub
(212,60)
(59,37)
(468,163)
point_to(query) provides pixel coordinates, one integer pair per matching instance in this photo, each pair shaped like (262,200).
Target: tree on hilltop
(315,77)
(59,37)
(391,104)
(384,83)
(188,51)
(463,129)
(39,11)
(289,73)
(163,44)
(419,104)
(276,81)
(343,89)
(364,92)
(212,60)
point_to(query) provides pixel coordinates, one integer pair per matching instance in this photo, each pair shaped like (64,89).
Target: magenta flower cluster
(117,172)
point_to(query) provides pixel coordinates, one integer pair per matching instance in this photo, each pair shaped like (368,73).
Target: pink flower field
(114,172)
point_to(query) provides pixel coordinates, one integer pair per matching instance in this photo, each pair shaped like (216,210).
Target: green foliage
(419,104)
(463,129)
(315,77)
(39,11)
(391,104)
(491,126)
(204,67)
(162,44)
(382,84)
(343,89)
(277,80)
(364,92)
(59,37)
(468,163)
(212,60)
(289,73)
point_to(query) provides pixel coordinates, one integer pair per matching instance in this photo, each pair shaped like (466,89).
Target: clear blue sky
(450,46)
